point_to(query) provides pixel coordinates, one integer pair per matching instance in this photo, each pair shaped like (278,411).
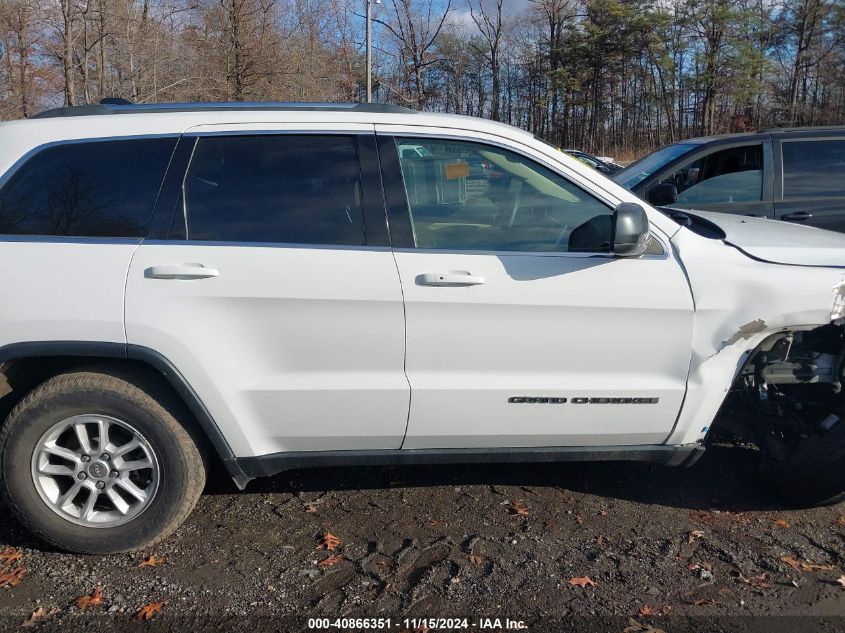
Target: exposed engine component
(786,389)
(821,369)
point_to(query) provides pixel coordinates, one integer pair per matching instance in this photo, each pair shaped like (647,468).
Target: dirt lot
(701,548)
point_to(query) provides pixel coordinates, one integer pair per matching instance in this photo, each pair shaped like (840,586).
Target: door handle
(452,278)
(183,271)
(798,216)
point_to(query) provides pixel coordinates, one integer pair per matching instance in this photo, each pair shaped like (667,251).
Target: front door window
(729,175)
(473,197)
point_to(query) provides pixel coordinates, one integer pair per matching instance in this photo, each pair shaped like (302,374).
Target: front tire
(813,472)
(100,461)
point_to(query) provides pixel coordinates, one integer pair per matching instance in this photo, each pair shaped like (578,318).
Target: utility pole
(369,50)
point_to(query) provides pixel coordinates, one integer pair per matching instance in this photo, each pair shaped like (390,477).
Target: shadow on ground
(725,478)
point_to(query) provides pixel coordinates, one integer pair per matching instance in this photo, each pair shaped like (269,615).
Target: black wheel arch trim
(151,358)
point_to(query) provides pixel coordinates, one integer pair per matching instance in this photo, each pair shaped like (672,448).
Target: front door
(522,329)
(266,292)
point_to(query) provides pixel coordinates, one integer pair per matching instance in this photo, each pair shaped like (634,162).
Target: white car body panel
(780,242)
(544,326)
(63,289)
(290,348)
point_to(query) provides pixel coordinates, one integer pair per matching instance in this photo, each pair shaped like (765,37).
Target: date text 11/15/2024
(415,624)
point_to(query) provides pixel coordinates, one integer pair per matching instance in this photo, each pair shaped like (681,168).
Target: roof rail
(121,106)
(807,128)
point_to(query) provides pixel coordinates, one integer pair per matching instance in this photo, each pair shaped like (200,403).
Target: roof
(120,106)
(775,130)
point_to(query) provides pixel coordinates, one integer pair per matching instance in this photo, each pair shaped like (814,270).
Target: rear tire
(41,434)
(814,472)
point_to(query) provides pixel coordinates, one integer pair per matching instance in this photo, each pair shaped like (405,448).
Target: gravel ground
(703,548)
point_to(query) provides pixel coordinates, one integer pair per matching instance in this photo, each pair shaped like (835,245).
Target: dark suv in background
(797,175)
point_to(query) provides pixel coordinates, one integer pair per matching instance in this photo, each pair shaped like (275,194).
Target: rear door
(811,189)
(522,329)
(71,216)
(270,285)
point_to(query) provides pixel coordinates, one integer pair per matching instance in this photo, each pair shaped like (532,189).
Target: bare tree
(490,23)
(415,29)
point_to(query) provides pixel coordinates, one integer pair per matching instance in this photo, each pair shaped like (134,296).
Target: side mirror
(629,230)
(663,194)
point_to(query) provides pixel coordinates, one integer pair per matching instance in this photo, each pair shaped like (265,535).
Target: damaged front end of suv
(771,316)
(788,399)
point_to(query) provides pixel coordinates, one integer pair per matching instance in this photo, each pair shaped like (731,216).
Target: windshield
(634,174)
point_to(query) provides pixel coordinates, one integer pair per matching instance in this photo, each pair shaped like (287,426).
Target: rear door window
(813,169)
(297,189)
(86,189)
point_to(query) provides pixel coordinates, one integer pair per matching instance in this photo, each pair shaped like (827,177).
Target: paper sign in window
(457,170)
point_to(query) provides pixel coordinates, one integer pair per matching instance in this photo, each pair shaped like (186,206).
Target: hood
(779,242)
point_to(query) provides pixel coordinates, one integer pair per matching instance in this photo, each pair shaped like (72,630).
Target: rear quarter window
(86,189)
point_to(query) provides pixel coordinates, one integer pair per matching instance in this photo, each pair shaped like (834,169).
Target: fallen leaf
(640,627)
(148,611)
(582,581)
(152,561)
(813,567)
(331,560)
(647,610)
(841,521)
(11,569)
(694,535)
(93,599)
(633,626)
(738,517)
(518,507)
(39,615)
(329,542)
(841,581)
(705,602)
(759,581)
(475,559)
(9,555)
(702,516)
(780,523)
(579,519)
(10,577)
(802,565)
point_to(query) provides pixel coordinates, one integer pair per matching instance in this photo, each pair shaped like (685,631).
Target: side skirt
(267,465)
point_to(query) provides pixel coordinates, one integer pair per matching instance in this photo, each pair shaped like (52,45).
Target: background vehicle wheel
(814,472)
(100,461)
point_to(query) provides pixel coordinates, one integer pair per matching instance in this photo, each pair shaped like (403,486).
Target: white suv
(259,287)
